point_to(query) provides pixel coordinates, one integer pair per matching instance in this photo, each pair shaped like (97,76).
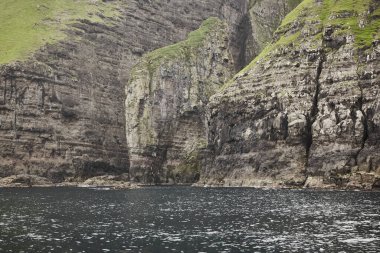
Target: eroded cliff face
(165,104)
(170,89)
(72,109)
(305,112)
(62,108)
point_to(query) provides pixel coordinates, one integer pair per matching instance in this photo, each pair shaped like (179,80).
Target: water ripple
(187,219)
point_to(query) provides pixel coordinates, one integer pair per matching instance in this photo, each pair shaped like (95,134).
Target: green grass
(184,48)
(27,25)
(358,11)
(346,15)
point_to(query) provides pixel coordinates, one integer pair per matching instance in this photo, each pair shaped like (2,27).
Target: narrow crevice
(312,116)
(365,134)
(244,28)
(5,91)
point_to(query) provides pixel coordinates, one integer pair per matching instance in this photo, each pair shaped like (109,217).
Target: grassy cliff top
(184,48)
(27,25)
(356,17)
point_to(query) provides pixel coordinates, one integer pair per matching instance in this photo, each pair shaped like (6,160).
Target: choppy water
(188,219)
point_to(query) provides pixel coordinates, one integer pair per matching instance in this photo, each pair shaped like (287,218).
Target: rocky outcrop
(165,102)
(24,180)
(62,110)
(106,181)
(305,112)
(110,181)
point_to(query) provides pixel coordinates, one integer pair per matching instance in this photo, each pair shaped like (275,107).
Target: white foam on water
(174,239)
(349,222)
(35,236)
(212,232)
(275,239)
(358,240)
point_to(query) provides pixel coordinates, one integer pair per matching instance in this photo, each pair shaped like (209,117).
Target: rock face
(23,180)
(305,112)
(109,96)
(165,102)
(170,88)
(62,111)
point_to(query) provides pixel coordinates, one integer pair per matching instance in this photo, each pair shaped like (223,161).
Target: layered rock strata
(165,102)
(62,110)
(305,112)
(170,87)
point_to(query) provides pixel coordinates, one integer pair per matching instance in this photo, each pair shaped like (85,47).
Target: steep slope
(64,68)
(170,89)
(305,112)
(165,102)
(65,64)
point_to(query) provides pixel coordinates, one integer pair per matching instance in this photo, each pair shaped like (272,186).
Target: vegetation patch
(356,17)
(26,26)
(184,48)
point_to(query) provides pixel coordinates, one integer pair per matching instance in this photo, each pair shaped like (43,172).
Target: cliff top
(28,25)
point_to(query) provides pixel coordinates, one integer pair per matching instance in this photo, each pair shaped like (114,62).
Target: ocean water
(185,219)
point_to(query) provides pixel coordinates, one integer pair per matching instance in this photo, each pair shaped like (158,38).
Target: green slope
(357,17)
(26,25)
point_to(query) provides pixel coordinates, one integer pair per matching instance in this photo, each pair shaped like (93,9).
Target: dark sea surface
(185,219)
